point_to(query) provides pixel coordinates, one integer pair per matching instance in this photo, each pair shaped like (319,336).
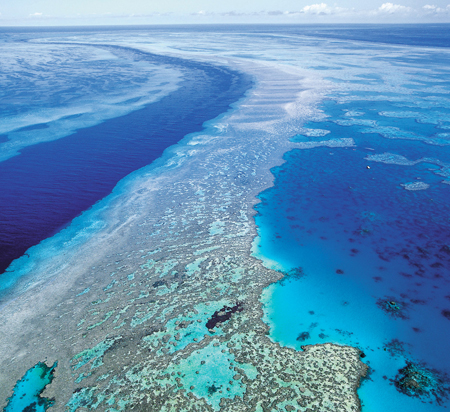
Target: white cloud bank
(312,13)
(390,8)
(321,9)
(432,9)
(387,11)
(391,12)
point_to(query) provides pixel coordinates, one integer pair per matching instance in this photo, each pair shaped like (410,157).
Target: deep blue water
(48,184)
(433,35)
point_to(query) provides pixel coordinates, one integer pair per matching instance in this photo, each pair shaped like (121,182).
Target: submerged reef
(417,381)
(222,315)
(395,347)
(446,313)
(292,274)
(393,307)
(161,309)
(303,336)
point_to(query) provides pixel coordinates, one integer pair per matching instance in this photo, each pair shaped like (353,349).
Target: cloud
(325,12)
(202,13)
(314,12)
(432,9)
(391,8)
(235,14)
(319,9)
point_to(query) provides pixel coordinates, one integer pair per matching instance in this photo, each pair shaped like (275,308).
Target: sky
(107,12)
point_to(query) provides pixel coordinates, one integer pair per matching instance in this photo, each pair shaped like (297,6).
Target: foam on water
(415,186)
(314,132)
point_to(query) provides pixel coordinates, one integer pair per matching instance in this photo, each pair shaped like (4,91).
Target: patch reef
(125,314)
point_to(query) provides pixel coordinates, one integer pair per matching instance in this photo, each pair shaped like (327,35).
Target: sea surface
(76,119)
(362,232)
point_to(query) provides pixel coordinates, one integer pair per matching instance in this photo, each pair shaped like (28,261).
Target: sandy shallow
(125,313)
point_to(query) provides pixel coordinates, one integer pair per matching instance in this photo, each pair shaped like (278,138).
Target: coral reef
(417,381)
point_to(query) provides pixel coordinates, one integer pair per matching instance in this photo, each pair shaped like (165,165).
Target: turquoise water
(27,391)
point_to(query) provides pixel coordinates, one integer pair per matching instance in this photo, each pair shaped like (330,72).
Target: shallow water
(27,391)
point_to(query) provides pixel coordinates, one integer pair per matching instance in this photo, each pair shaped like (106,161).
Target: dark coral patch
(377,279)
(417,381)
(158,283)
(395,347)
(213,389)
(303,336)
(223,315)
(296,273)
(393,307)
(292,274)
(344,332)
(31,407)
(446,314)
(418,301)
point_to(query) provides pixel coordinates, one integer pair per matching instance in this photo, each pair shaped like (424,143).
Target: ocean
(357,218)
(69,148)
(363,232)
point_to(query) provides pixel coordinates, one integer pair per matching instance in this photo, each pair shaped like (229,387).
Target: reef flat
(161,310)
